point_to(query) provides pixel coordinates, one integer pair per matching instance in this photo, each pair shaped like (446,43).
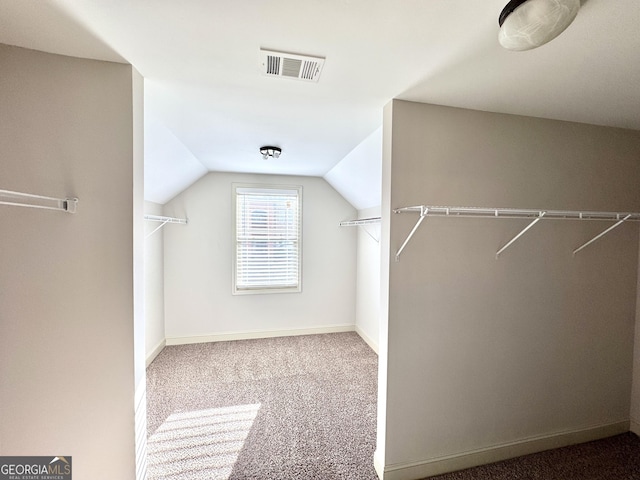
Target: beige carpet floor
(283,408)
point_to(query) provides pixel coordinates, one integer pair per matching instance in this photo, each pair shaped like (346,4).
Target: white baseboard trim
(368,340)
(451,463)
(635,426)
(154,353)
(224,337)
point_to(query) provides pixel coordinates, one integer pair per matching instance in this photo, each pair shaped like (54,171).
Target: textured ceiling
(209,108)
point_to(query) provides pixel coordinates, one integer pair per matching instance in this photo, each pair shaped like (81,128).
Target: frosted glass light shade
(529,24)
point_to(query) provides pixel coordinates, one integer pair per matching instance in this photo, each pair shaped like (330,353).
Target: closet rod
(18,199)
(537,215)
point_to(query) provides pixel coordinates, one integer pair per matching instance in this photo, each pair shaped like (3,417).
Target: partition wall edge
(380,459)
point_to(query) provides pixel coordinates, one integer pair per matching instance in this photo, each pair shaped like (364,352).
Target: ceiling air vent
(300,67)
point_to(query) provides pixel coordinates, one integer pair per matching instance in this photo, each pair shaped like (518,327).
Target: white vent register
(299,67)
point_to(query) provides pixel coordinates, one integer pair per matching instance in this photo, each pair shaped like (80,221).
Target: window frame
(270,188)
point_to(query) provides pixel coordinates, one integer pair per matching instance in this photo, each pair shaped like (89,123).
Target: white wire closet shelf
(164,220)
(360,222)
(363,222)
(484,212)
(18,199)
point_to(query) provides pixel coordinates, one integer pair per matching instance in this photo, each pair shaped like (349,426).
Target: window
(267,227)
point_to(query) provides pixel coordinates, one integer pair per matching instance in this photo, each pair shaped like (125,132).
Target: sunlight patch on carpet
(200,444)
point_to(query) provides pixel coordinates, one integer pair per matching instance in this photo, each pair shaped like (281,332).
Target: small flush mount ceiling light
(270,152)
(527,24)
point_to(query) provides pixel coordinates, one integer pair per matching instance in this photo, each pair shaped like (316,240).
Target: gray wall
(490,358)
(67,302)
(198,260)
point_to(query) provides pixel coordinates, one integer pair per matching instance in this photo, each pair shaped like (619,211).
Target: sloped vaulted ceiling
(212,107)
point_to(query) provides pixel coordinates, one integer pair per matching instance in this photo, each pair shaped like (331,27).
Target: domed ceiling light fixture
(269,152)
(527,24)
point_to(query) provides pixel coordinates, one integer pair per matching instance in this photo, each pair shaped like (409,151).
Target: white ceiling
(209,108)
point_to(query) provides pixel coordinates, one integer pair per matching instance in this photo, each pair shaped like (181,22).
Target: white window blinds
(267,233)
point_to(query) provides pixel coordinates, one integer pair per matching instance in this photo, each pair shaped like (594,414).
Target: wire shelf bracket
(522,232)
(363,222)
(536,215)
(18,199)
(164,221)
(423,214)
(600,235)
